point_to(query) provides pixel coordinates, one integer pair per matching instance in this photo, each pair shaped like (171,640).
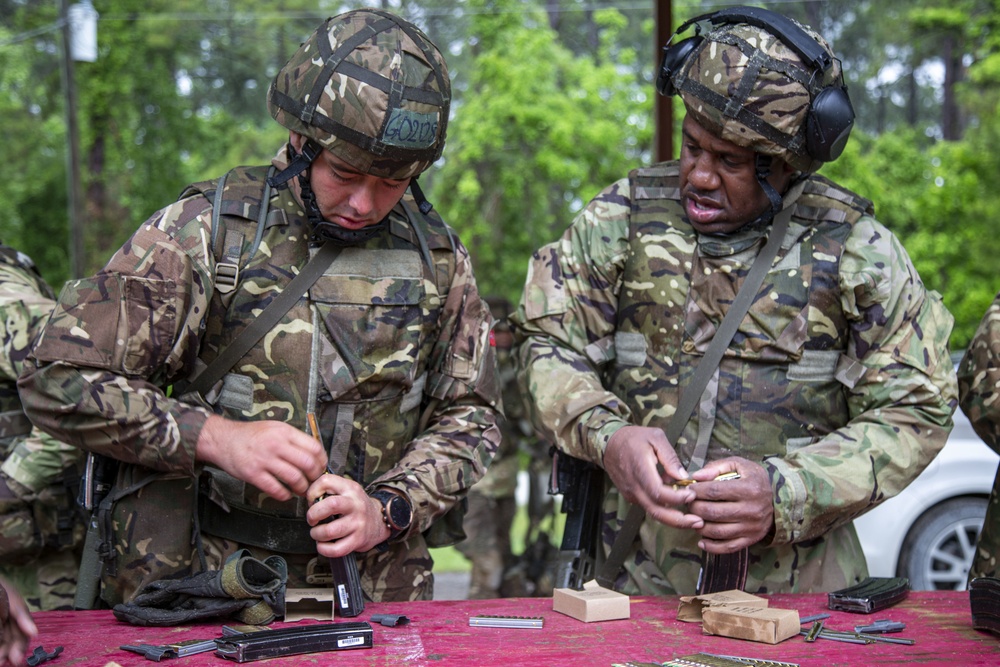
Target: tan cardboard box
(693,606)
(591,604)
(757,624)
(308,603)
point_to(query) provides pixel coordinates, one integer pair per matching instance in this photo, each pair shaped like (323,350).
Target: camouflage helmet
(372,89)
(748,86)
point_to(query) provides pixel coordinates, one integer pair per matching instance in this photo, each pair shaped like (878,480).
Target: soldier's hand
(17,628)
(631,460)
(278,459)
(344,518)
(738,513)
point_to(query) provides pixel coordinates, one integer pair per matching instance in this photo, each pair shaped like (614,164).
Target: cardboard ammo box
(308,603)
(693,606)
(591,604)
(759,624)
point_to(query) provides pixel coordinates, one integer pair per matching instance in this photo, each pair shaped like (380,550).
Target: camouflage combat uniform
(384,336)
(978,378)
(492,504)
(838,381)
(40,528)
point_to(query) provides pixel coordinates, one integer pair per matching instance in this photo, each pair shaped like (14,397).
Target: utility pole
(663,106)
(73,198)
(79,33)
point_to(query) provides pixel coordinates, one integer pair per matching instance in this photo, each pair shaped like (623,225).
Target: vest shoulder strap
(240,204)
(429,232)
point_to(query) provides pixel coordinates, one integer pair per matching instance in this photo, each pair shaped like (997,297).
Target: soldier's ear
(782,174)
(296,140)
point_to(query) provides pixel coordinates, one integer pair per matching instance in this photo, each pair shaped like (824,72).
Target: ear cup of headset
(674,56)
(829,123)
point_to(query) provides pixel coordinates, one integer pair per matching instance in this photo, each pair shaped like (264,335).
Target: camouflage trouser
(31,557)
(487,544)
(47,583)
(988,547)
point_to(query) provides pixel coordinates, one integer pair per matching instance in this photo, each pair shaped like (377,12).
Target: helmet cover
(746,86)
(372,89)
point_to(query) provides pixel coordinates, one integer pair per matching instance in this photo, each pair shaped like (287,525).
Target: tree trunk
(951,129)
(552,9)
(913,99)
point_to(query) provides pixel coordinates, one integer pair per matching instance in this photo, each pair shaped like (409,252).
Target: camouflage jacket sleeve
(901,394)
(36,461)
(979,377)
(25,303)
(566,319)
(460,435)
(114,339)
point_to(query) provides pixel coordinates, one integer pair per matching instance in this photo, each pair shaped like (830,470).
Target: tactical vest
(375,356)
(782,380)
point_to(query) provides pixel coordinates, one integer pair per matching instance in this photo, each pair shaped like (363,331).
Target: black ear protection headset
(830,116)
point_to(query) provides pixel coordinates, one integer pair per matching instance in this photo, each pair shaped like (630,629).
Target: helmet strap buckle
(298,164)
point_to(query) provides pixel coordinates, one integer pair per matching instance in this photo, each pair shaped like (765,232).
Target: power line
(52,27)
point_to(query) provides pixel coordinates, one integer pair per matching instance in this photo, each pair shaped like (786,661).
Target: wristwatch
(396,512)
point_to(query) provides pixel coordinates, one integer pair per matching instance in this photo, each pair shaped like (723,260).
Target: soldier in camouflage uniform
(492,504)
(978,379)
(833,395)
(41,530)
(388,350)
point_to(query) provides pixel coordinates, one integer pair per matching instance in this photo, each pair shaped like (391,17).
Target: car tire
(939,548)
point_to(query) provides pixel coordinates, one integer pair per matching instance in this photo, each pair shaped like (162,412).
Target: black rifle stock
(581,484)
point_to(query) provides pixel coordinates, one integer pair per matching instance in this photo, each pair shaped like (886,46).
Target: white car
(928,532)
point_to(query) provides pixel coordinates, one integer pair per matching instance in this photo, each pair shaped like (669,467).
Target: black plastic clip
(39,655)
(390,620)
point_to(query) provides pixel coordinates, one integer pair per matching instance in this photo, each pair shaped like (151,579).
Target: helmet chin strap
(762,169)
(322,229)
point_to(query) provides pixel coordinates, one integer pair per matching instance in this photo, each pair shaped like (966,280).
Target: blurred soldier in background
(978,379)
(40,528)
(492,504)
(496,570)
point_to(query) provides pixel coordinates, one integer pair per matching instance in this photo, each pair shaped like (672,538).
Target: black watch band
(396,512)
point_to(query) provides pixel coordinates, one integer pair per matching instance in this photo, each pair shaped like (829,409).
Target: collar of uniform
(748,236)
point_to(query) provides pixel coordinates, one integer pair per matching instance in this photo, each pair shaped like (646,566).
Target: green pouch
(147,531)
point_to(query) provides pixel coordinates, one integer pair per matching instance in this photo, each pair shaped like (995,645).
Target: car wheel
(939,548)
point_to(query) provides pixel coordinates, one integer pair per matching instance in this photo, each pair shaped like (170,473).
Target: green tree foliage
(537,133)
(33,188)
(941,197)
(553,101)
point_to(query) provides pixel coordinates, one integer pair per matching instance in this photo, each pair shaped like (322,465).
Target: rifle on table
(581,484)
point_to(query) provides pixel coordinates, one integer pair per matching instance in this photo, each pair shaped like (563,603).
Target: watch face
(399,512)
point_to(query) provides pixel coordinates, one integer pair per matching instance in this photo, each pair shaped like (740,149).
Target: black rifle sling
(270,316)
(705,370)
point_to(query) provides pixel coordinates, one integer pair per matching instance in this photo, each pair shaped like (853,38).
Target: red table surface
(439,635)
